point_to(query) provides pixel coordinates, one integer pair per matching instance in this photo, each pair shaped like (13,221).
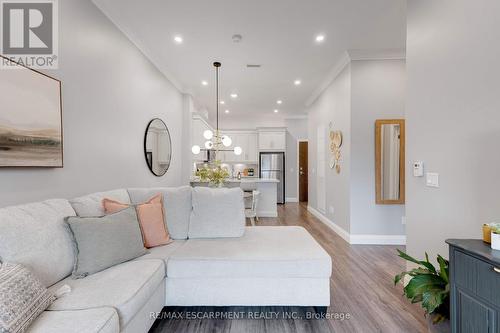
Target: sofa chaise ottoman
(266,266)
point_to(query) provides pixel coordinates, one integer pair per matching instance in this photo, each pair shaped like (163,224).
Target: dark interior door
(303,182)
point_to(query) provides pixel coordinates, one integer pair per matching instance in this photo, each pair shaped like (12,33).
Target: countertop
(478,247)
(242,180)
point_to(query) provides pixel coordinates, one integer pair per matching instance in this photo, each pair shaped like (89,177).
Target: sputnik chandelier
(216,141)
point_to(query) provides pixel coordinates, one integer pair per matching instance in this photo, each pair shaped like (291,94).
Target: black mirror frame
(145,150)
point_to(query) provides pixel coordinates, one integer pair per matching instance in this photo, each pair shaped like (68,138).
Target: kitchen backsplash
(234,168)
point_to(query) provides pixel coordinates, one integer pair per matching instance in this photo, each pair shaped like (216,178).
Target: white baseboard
(378,239)
(338,230)
(291,199)
(267,214)
(359,239)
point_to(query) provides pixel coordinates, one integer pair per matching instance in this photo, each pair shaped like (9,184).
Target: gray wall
(296,130)
(453,120)
(334,105)
(365,91)
(377,92)
(110,92)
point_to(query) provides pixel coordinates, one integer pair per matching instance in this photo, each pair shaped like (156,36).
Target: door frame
(298,166)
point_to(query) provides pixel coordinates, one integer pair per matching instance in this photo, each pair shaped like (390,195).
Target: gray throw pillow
(23,298)
(217,213)
(102,242)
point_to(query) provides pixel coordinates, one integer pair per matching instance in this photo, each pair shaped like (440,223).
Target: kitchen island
(267,205)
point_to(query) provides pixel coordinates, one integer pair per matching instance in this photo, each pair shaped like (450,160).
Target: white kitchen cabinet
(252,151)
(247,140)
(199,126)
(272,140)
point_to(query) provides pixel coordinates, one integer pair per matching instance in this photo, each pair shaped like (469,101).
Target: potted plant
(495,237)
(430,287)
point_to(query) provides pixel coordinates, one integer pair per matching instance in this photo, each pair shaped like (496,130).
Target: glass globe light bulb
(226,141)
(208,134)
(209,144)
(238,150)
(195,149)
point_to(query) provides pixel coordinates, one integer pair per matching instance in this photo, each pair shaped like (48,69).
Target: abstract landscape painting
(30,119)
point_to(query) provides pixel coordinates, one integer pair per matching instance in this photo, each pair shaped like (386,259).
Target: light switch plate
(432,179)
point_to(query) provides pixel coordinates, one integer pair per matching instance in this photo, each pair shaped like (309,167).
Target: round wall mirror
(157,147)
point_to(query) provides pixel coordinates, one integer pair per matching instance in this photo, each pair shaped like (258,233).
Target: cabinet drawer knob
(496,269)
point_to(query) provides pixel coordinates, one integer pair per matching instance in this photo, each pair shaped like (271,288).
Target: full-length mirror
(390,161)
(157,147)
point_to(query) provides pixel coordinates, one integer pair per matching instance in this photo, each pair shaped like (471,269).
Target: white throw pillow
(22,298)
(217,212)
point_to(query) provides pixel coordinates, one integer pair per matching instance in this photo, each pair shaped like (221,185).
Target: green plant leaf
(413,272)
(428,286)
(443,268)
(398,277)
(426,264)
(420,284)
(432,299)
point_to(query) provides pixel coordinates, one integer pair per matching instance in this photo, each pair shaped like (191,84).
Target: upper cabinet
(199,126)
(247,140)
(250,141)
(272,139)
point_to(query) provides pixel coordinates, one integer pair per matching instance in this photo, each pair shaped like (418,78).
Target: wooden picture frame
(378,162)
(31,127)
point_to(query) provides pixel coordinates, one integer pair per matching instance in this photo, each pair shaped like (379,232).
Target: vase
(215,185)
(441,327)
(495,241)
(487,233)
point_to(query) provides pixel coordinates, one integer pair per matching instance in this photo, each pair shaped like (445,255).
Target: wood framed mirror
(390,161)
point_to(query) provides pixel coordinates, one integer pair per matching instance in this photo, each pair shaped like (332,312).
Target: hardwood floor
(361,286)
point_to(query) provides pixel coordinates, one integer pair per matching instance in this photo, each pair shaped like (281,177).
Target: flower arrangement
(216,175)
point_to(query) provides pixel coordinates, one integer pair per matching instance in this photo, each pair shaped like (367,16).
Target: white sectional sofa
(266,266)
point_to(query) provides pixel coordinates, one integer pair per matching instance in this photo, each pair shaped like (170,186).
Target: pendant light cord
(217,65)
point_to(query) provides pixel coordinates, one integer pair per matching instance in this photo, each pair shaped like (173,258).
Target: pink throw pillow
(151,219)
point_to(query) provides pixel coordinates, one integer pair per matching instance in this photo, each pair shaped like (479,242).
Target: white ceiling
(278,34)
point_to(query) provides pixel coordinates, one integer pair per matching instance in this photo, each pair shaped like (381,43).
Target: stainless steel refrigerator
(272,166)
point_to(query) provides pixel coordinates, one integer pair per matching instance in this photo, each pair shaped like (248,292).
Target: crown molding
(299,116)
(330,77)
(141,47)
(354,55)
(377,54)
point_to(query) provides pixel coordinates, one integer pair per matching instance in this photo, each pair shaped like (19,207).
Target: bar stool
(251,213)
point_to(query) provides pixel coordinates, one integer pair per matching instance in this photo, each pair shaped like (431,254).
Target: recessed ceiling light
(297,82)
(178,39)
(234,95)
(279,101)
(320,38)
(227,111)
(276,111)
(205,83)
(222,102)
